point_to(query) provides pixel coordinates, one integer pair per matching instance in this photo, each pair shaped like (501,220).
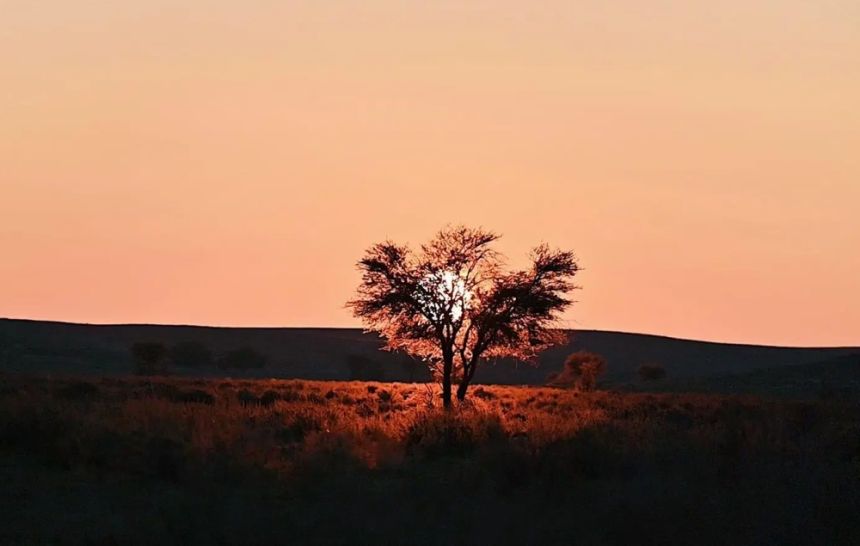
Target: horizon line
(259,327)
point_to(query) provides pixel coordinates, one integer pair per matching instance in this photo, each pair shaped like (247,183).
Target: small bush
(483,394)
(581,370)
(247,397)
(269,398)
(195,396)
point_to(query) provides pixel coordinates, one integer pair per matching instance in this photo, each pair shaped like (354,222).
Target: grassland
(181,461)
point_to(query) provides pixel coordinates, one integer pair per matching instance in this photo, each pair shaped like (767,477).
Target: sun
(446,290)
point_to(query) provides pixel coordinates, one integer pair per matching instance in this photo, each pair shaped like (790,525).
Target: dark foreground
(132,461)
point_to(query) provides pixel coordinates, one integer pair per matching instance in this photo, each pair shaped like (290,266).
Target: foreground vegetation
(181,461)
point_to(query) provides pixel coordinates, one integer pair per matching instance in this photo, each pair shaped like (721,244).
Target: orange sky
(227,162)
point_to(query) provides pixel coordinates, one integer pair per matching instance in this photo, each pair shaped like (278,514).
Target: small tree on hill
(150,358)
(452,305)
(581,370)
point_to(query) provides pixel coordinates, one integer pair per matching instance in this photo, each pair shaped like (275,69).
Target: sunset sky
(226,163)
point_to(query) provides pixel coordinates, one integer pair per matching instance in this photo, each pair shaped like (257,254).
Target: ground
(182,461)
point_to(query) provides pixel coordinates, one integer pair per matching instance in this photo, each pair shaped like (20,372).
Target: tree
(651,372)
(190,354)
(452,304)
(581,370)
(150,358)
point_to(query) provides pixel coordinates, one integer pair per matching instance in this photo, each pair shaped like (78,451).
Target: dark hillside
(326,353)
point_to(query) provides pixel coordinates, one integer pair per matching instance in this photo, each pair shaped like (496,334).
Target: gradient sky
(226,163)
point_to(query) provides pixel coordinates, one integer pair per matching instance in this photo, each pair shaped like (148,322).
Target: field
(175,461)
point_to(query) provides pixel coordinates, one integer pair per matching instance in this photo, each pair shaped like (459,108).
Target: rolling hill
(324,353)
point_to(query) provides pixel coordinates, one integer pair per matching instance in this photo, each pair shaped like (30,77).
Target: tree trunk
(447,368)
(461,390)
(468,374)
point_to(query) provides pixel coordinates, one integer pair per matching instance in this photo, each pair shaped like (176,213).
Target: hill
(838,377)
(325,353)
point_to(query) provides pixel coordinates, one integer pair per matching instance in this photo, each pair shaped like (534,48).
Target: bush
(150,358)
(190,354)
(651,372)
(581,370)
(243,358)
(195,396)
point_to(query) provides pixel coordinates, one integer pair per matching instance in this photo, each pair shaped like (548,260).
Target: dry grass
(241,461)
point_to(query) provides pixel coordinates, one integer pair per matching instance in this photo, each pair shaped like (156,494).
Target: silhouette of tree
(581,370)
(150,358)
(452,305)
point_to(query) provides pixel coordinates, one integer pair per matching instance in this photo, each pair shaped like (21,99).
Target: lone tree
(452,304)
(581,370)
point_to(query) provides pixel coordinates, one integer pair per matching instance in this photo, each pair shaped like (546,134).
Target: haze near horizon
(211,163)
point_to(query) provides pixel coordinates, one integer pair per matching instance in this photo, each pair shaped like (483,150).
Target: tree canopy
(452,303)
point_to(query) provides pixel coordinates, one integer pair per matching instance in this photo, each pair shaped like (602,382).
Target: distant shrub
(247,397)
(651,372)
(269,397)
(243,358)
(195,396)
(150,358)
(483,394)
(581,370)
(190,354)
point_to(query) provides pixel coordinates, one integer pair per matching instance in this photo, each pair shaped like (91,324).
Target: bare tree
(452,304)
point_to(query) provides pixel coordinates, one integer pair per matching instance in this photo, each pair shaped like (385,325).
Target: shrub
(269,397)
(384,395)
(150,358)
(190,354)
(483,394)
(247,397)
(651,372)
(195,396)
(581,370)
